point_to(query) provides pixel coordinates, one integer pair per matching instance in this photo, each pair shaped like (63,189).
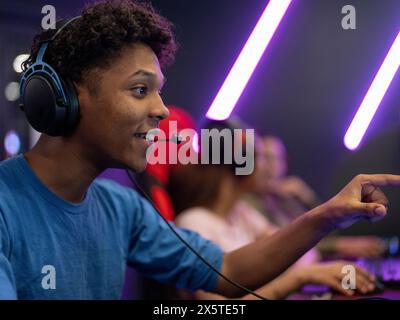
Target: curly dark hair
(97,38)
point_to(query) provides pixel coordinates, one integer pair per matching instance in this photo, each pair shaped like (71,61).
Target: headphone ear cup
(45,107)
(40,101)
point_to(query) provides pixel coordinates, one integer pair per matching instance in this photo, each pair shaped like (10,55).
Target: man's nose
(160,111)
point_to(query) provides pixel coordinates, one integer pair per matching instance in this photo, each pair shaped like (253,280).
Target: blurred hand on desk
(331,274)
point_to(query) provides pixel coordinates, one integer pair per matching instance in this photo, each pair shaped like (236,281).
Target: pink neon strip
(374,96)
(239,75)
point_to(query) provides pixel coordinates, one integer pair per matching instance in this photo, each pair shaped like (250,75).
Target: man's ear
(82,92)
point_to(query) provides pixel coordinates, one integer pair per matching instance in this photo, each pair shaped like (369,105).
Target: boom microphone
(175,138)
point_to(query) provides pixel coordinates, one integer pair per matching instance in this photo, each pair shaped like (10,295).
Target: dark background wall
(306,88)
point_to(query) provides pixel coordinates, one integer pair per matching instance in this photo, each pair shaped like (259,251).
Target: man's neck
(62,168)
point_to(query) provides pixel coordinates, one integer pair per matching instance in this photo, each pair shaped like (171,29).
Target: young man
(64,235)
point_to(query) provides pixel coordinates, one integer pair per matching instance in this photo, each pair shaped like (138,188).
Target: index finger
(380,180)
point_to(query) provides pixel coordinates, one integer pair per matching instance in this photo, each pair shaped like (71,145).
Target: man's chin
(138,166)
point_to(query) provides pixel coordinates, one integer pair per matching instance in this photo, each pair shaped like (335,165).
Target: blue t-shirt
(54,249)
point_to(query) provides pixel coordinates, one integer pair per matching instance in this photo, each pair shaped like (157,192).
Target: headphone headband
(49,102)
(64,23)
(68,22)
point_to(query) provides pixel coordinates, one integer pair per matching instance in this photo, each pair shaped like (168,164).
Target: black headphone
(50,103)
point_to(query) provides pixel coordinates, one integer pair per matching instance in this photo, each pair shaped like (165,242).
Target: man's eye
(140,90)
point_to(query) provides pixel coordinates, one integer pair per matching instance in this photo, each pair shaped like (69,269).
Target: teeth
(140,135)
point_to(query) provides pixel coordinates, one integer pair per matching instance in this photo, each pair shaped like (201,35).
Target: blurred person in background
(282,198)
(206,199)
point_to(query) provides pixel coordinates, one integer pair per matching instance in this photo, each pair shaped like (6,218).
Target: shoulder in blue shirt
(54,249)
